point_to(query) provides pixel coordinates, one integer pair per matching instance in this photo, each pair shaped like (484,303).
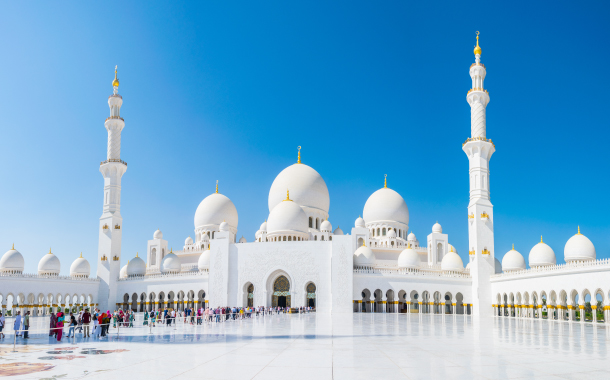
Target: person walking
(2,322)
(59,327)
(26,325)
(86,322)
(71,326)
(17,324)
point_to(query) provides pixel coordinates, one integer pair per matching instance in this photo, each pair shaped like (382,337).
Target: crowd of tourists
(82,321)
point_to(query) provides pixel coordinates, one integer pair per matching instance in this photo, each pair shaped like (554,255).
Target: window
(317,224)
(289,238)
(310,222)
(377,231)
(383,232)
(315,237)
(284,238)
(322,237)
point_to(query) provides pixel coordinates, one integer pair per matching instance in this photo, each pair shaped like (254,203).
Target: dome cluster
(577,249)
(12,262)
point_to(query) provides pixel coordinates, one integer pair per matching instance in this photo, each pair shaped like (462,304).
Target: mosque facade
(296,259)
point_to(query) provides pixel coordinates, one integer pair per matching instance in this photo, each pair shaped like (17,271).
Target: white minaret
(480,210)
(111,222)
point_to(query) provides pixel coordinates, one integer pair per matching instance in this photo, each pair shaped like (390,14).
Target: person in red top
(86,322)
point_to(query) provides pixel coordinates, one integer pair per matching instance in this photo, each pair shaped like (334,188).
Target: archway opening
(281,292)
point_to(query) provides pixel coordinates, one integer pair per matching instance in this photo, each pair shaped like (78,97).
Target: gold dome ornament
(477,49)
(115,82)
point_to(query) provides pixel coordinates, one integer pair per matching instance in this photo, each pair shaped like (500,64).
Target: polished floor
(353,346)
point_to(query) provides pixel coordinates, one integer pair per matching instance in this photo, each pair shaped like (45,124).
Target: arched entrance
(281,292)
(311,295)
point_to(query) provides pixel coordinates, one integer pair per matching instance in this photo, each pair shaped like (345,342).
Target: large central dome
(215,209)
(307,188)
(386,205)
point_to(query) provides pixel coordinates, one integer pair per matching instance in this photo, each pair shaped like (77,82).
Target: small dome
(386,205)
(512,261)
(391,233)
(80,267)
(338,231)
(49,264)
(411,237)
(158,234)
(12,261)
(452,262)
(123,272)
(288,217)
(171,263)
(579,248)
(469,265)
(542,255)
(326,226)
(204,260)
(437,229)
(364,257)
(188,241)
(452,248)
(215,209)
(136,267)
(263,227)
(243,240)
(359,223)
(409,259)
(224,226)
(205,238)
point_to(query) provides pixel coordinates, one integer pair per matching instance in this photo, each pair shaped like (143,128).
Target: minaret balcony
(114,117)
(113,160)
(478,139)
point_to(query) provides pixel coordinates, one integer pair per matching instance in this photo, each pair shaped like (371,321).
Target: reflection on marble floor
(353,346)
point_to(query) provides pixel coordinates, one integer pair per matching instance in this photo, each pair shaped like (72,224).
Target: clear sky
(227,91)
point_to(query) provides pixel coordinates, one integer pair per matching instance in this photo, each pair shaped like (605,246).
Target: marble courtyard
(317,346)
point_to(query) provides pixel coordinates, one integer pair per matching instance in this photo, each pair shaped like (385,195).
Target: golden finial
(13,246)
(541,239)
(81,255)
(136,254)
(363,243)
(513,246)
(171,250)
(578,230)
(299,159)
(477,49)
(216,186)
(385,182)
(115,82)
(288,196)
(49,250)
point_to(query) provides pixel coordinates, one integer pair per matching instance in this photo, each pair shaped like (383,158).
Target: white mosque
(296,258)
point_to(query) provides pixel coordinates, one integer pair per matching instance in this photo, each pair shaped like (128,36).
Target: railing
(113,160)
(478,139)
(189,267)
(165,275)
(409,272)
(114,118)
(568,267)
(49,277)
(477,64)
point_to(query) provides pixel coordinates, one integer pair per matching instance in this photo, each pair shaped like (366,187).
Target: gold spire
(216,186)
(477,49)
(363,243)
(49,251)
(81,255)
(13,246)
(136,254)
(578,230)
(287,196)
(385,182)
(513,247)
(299,159)
(115,82)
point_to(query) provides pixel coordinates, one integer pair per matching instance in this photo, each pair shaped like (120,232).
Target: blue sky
(228,90)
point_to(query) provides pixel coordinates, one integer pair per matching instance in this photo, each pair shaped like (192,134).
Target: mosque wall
(304,262)
(566,284)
